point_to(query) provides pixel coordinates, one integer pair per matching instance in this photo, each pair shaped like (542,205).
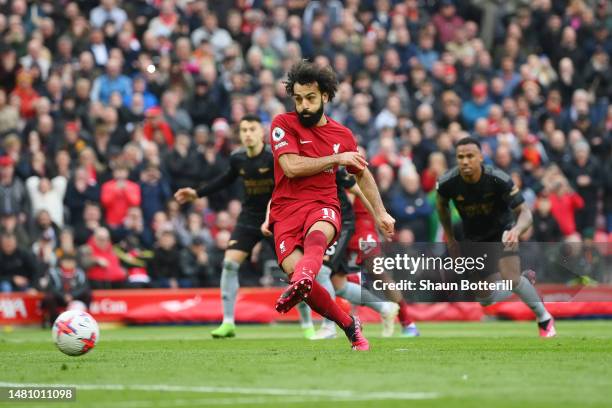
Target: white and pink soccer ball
(75,332)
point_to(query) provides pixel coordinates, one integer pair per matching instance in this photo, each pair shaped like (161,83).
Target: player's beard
(313,118)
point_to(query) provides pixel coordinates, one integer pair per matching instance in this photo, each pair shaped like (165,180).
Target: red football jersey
(287,135)
(361,212)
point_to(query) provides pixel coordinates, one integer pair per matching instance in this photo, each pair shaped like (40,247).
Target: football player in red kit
(308,147)
(365,241)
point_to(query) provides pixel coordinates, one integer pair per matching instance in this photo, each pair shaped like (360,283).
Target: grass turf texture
(501,364)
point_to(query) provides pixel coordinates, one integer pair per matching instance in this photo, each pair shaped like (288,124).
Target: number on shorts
(368,244)
(329,213)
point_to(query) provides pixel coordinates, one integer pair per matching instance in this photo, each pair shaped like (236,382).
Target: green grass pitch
(501,364)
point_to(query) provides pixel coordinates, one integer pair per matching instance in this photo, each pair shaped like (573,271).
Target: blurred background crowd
(107,107)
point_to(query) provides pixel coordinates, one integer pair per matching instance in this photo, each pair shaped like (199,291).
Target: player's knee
(230,266)
(235,256)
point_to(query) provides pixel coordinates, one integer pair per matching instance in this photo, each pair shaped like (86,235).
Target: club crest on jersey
(277,134)
(336,148)
(282,247)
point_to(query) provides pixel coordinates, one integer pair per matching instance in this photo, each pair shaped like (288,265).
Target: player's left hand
(510,239)
(386,224)
(265,229)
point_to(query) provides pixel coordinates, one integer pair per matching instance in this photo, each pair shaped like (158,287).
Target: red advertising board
(256,305)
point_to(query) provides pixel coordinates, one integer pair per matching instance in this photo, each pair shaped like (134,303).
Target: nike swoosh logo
(305,141)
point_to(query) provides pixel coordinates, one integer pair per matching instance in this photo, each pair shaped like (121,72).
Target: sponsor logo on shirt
(336,148)
(281,144)
(305,141)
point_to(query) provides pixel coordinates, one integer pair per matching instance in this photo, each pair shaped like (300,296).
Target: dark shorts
(494,252)
(290,230)
(245,237)
(337,252)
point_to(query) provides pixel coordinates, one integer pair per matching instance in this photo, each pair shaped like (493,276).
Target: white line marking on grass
(335,394)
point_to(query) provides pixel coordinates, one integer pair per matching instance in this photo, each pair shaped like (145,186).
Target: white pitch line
(339,394)
(200,402)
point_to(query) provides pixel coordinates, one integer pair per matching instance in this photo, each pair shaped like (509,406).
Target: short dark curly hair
(305,72)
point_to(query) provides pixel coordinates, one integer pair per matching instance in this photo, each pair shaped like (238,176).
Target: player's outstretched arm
(357,192)
(265,227)
(444,215)
(294,165)
(524,219)
(185,195)
(367,184)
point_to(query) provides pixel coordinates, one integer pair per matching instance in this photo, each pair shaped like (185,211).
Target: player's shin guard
(320,301)
(315,244)
(229,289)
(528,294)
(324,278)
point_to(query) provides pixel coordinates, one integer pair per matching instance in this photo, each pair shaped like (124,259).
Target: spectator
(101,263)
(193,229)
(41,224)
(9,116)
(85,227)
(167,21)
(80,190)
(156,129)
(165,265)
(584,174)
(17,267)
(13,195)
(133,231)
(155,192)
(67,283)
(478,107)
(133,248)
(48,195)
(194,264)
(10,224)
(178,118)
(112,81)
(25,94)
(446,21)
(203,107)
(108,11)
(545,227)
(410,206)
(119,194)
(564,204)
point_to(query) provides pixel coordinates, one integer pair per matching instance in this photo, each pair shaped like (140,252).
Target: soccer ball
(75,332)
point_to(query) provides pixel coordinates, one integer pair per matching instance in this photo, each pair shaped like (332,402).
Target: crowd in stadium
(108,107)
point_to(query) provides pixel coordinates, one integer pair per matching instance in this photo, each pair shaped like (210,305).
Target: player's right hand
(386,224)
(352,159)
(185,195)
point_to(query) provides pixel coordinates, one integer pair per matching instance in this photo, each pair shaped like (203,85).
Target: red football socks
(315,244)
(320,301)
(404,315)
